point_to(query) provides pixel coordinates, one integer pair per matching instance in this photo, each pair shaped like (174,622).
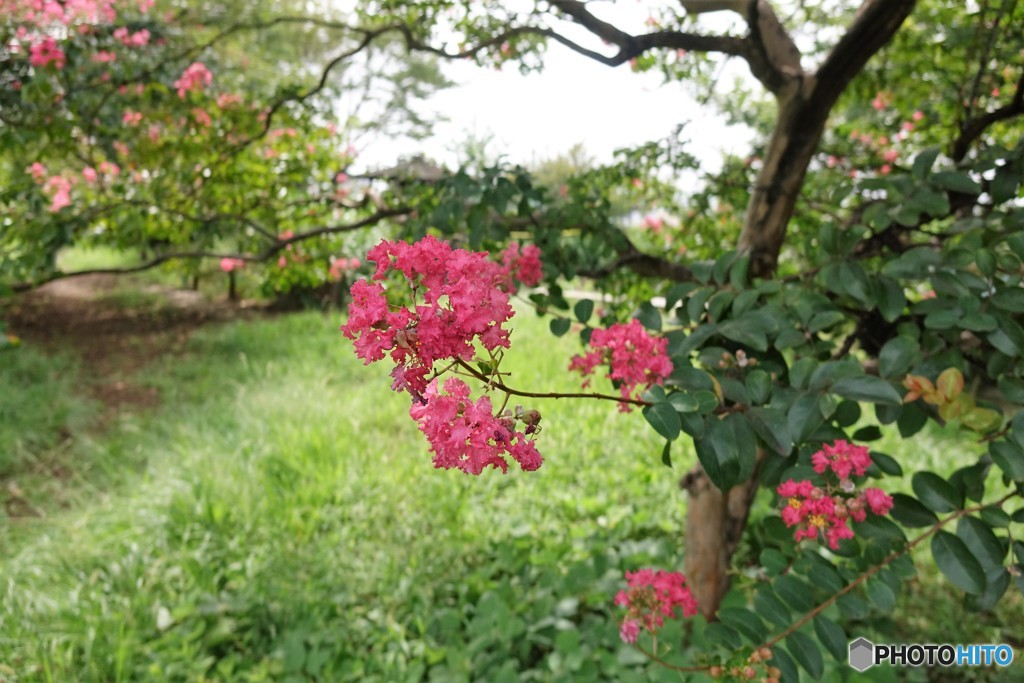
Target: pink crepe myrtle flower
(109,168)
(843,458)
(59,189)
(37,171)
(635,359)
(825,513)
(193,79)
(228,264)
(46,52)
(103,57)
(464,434)
(89,174)
(651,597)
(524,265)
(131,118)
(917,115)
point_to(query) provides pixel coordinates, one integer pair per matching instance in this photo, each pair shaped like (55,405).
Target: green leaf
(649,316)
(983,544)
(794,592)
(832,637)
(1012,388)
(782,660)
(745,621)
(741,332)
(954,559)
(806,653)
(936,493)
(684,402)
(891,299)
(719,455)
(957,181)
(923,162)
(910,513)
(897,356)
(664,418)
(771,608)
(759,386)
(559,326)
(880,595)
(771,426)
(804,417)
(583,309)
(1009,457)
(666,454)
(887,464)
(867,388)
(824,320)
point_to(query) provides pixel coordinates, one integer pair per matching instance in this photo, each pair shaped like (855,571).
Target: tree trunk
(715,521)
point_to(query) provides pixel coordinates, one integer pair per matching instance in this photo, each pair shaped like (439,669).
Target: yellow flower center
(816,521)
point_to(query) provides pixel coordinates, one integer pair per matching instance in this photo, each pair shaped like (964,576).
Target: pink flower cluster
(827,512)
(230,264)
(138,39)
(843,458)
(465,304)
(341,265)
(194,78)
(652,596)
(636,360)
(523,266)
(466,435)
(46,52)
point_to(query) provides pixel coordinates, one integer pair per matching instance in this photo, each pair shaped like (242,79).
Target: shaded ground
(116,326)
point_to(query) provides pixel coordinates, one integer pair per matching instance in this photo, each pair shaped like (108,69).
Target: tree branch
(642,264)
(972,129)
(874,25)
(270,252)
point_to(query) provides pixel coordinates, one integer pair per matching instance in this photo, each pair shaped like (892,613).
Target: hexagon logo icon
(862,654)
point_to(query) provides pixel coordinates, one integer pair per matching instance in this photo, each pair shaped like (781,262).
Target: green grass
(279,519)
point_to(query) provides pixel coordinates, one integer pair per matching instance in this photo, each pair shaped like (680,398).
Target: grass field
(278,518)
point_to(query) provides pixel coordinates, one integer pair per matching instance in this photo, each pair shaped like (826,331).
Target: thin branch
(501,386)
(270,252)
(642,264)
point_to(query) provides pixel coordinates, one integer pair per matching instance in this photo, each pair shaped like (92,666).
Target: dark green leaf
(649,316)
(759,386)
(936,493)
(832,637)
(806,653)
(983,544)
(583,309)
(664,418)
(771,425)
(683,402)
(794,592)
(910,513)
(771,608)
(954,559)
(923,162)
(785,664)
(957,181)
(867,388)
(559,326)
(1009,457)
(739,331)
(666,454)
(897,356)
(880,595)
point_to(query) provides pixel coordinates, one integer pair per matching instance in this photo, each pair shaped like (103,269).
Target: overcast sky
(574,100)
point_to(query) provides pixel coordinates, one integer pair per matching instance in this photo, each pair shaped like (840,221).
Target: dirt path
(117,326)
